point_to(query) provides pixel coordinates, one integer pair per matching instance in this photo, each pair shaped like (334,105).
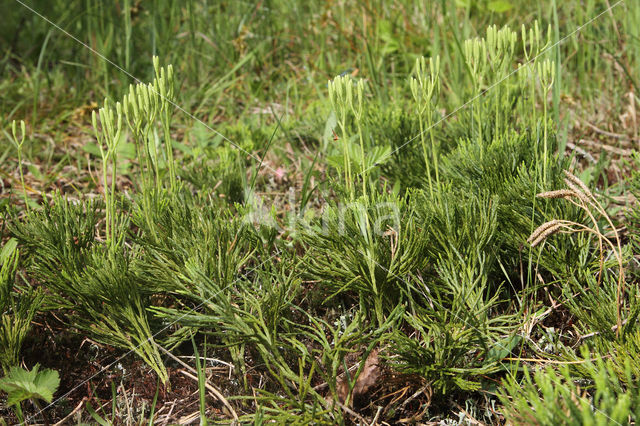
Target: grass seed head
(578,192)
(545,230)
(560,193)
(572,178)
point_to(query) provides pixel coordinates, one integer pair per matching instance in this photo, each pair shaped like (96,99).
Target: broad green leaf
(127,150)
(22,384)
(182,147)
(92,148)
(377,155)
(390,42)
(329,128)
(35,171)
(503,348)
(46,383)
(499,6)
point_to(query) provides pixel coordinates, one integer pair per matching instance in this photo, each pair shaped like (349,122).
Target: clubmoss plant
(475,53)
(17,309)
(140,107)
(356,106)
(163,86)
(344,101)
(449,348)
(580,195)
(97,284)
(546,72)
(430,271)
(378,242)
(425,87)
(559,396)
(109,136)
(532,47)
(500,47)
(19,142)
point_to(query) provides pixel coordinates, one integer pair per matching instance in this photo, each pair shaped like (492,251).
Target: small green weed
(21,385)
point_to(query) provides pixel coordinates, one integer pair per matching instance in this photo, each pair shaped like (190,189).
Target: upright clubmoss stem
(475,52)
(165,89)
(425,86)
(356,103)
(19,142)
(340,89)
(108,138)
(425,154)
(546,71)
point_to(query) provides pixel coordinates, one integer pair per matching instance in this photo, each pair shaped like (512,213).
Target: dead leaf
(368,378)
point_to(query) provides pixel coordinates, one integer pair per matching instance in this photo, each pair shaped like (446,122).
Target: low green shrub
(557,396)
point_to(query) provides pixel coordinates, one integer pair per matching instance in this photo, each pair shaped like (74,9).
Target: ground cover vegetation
(290,212)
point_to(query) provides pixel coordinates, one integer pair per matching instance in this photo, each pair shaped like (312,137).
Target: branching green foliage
(489,63)
(193,236)
(452,345)
(582,197)
(61,235)
(115,307)
(239,313)
(460,233)
(633,215)
(623,353)
(250,319)
(99,284)
(396,126)
(203,257)
(140,109)
(503,176)
(108,140)
(247,304)
(425,87)
(17,307)
(319,349)
(414,260)
(366,249)
(456,320)
(225,173)
(554,396)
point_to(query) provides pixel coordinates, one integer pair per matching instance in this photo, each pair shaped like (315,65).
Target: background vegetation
(319,212)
